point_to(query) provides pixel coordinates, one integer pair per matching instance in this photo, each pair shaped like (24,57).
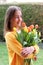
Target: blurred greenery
(32,14)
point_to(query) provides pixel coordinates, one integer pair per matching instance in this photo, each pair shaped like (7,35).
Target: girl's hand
(27,50)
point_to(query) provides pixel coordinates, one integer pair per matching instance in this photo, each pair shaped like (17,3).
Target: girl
(16,52)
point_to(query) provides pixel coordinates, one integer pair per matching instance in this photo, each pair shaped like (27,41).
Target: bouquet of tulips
(28,36)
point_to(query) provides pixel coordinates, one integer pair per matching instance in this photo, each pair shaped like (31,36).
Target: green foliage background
(32,14)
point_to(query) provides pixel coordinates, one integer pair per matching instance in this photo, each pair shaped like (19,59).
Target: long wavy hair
(8,16)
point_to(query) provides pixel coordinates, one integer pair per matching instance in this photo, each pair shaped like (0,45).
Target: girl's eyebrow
(17,15)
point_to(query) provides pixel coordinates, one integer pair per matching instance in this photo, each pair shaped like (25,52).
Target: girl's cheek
(16,20)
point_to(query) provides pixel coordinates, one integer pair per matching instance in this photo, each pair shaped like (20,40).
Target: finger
(24,53)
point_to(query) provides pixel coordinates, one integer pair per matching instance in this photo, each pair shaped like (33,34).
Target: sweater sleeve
(12,43)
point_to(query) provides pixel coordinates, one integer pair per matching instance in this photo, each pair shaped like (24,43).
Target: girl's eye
(15,16)
(18,16)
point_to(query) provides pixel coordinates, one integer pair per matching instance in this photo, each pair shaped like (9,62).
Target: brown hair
(9,14)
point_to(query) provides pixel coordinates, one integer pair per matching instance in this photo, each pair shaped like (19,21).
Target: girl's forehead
(18,12)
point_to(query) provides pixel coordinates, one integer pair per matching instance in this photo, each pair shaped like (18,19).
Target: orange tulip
(29,29)
(31,26)
(23,24)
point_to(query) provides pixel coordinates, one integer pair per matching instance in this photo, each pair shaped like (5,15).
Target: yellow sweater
(14,50)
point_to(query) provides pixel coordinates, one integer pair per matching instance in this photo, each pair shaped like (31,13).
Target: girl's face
(17,19)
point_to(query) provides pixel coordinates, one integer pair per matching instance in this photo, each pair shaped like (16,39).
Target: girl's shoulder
(10,34)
